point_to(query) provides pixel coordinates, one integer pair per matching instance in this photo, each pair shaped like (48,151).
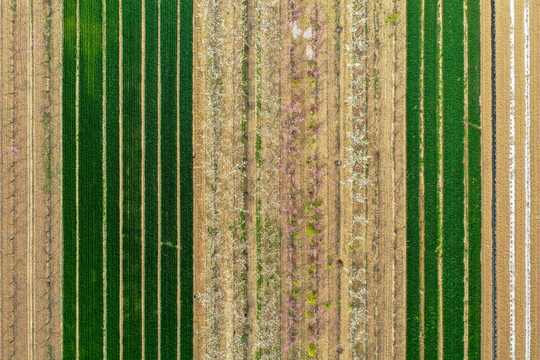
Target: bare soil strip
(534,181)
(399,246)
(30,190)
(334,125)
(503,78)
(30,162)
(14,159)
(527,72)
(487,182)
(199,210)
(421,190)
(250,189)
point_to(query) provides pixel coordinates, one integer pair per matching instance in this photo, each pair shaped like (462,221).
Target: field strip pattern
(448,192)
(30,182)
(111,263)
(269,179)
(293,216)
(515,302)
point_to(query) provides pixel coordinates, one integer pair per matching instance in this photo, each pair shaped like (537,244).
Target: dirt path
(487,182)
(199,209)
(387,144)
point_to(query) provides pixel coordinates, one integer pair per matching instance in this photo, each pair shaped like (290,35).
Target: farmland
(299,220)
(123,285)
(278,179)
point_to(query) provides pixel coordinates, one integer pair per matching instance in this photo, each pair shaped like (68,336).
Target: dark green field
(110,205)
(446,115)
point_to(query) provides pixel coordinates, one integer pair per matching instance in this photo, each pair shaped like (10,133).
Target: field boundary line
(159,182)
(527,184)
(143,177)
(494,176)
(30,199)
(440,185)
(121,172)
(421,190)
(104,168)
(178,225)
(466,237)
(77,99)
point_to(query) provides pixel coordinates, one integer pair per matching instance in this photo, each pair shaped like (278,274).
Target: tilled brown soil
(321,90)
(31,186)
(506,302)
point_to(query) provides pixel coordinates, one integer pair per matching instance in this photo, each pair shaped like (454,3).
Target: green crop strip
(431,181)
(113,184)
(90,182)
(413,179)
(92,213)
(475,244)
(186,181)
(453,179)
(131,155)
(151,181)
(169,224)
(475,182)
(68,179)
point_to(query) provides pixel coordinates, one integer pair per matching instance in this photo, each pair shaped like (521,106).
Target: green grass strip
(475,244)
(90,182)
(473,20)
(413,180)
(475,183)
(168,180)
(453,179)
(131,153)
(68,179)
(186,181)
(151,181)
(431,181)
(113,183)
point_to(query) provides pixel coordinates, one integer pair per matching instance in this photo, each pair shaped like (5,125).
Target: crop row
(437,122)
(103,148)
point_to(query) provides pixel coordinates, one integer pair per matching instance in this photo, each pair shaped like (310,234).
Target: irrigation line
(104,169)
(159,183)
(494,177)
(178,244)
(466,180)
(440,146)
(30,210)
(512,184)
(121,172)
(527,183)
(422,186)
(143,177)
(77,254)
